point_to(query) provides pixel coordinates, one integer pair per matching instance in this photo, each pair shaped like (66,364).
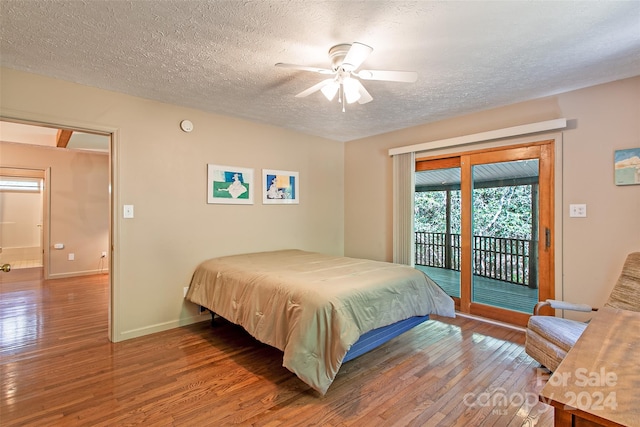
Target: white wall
(602,119)
(162,172)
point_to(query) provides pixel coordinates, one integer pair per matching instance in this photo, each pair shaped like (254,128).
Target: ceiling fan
(345,60)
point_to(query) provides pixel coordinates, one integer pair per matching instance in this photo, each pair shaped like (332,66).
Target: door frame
(542,148)
(113,133)
(45,175)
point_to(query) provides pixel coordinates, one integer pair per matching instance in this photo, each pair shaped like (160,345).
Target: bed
(319,310)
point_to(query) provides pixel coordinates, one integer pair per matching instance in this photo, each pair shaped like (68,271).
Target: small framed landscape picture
(280,187)
(229,185)
(627,166)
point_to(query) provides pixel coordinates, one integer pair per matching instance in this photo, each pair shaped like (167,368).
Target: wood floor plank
(59,369)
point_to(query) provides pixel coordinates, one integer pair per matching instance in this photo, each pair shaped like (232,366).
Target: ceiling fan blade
(304,68)
(356,56)
(365,96)
(316,87)
(391,76)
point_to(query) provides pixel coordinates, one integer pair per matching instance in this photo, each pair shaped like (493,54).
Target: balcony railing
(498,258)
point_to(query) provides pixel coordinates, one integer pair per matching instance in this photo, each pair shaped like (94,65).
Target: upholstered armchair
(549,338)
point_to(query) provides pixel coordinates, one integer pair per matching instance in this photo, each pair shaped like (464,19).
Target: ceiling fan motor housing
(337,54)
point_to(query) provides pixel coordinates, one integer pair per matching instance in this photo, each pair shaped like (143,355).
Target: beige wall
(78,204)
(162,172)
(602,119)
(345,188)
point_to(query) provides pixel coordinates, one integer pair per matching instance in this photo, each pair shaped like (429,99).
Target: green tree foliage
(498,211)
(503,212)
(431,211)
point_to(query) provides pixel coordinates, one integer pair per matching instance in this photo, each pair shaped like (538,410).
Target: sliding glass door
(479,218)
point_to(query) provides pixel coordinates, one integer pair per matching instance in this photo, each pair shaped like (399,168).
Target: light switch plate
(127,211)
(578,211)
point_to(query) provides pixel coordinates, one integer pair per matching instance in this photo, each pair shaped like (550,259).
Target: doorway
(22,196)
(483,228)
(76,204)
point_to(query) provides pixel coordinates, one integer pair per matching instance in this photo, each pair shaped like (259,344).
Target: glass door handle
(547,238)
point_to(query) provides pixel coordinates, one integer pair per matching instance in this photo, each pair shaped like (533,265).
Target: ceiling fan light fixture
(330,90)
(351,90)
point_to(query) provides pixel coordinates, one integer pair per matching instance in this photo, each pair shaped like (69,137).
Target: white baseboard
(159,327)
(77,273)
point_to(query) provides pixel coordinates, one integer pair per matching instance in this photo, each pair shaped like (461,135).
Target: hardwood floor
(59,368)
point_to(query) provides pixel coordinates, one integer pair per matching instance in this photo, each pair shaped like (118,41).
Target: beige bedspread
(312,306)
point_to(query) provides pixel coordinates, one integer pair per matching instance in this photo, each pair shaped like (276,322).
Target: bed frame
(369,340)
(375,338)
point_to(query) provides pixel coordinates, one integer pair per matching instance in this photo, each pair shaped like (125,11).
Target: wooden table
(598,383)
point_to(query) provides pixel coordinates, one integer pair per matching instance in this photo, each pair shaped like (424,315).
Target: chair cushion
(561,332)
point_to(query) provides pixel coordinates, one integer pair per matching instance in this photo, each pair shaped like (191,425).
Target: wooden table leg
(562,418)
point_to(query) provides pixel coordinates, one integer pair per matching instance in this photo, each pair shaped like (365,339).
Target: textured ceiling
(219,56)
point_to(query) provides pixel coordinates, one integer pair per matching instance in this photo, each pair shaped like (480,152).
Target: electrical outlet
(72,257)
(578,211)
(185,290)
(104,254)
